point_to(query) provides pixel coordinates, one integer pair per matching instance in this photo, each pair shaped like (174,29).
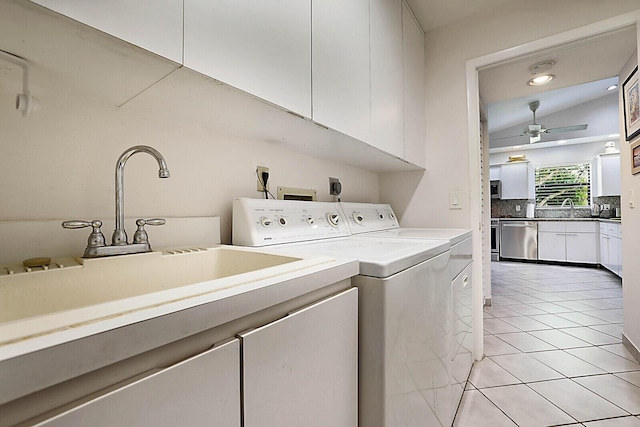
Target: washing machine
(379,221)
(403,294)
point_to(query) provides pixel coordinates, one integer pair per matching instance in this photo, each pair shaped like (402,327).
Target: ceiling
(583,69)
(432,14)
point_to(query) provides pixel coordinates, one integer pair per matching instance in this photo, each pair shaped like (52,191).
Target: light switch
(455,200)
(632,202)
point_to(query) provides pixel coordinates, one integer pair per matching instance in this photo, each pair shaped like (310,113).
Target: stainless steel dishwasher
(519,239)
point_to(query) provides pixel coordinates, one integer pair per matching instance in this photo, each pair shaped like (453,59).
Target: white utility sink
(39,302)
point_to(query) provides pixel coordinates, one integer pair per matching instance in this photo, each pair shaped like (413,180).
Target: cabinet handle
(465,280)
(570,234)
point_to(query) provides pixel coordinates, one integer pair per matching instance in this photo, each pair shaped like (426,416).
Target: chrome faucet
(119,237)
(120,245)
(564,202)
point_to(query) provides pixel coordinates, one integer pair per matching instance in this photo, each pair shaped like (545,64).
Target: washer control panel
(261,222)
(368,217)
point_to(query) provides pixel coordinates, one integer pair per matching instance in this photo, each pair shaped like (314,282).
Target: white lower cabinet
(611,247)
(299,370)
(568,241)
(195,392)
(302,370)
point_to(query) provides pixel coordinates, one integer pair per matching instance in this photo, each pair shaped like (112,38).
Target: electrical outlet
(335,188)
(259,183)
(517,208)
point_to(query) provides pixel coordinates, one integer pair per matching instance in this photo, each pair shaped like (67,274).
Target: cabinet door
(261,47)
(341,78)
(387,131)
(414,92)
(582,247)
(604,251)
(517,181)
(154,25)
(609,175)
(551,246)
(302,370)
(615,255)
(191,393)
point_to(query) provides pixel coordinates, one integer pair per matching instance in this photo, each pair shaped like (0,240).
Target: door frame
(480,220)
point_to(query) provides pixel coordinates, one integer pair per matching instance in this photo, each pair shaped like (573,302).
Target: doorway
(479,176)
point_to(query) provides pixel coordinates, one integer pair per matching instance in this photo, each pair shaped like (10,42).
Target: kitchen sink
(58,298)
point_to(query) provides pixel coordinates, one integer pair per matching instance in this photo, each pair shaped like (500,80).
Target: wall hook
(25,102)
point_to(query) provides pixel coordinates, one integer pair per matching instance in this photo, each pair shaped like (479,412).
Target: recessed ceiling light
(612,87)
(541,80)
(614,135)
(562,141)
(517,146)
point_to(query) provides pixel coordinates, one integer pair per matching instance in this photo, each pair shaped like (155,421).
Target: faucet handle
(96,238)
(140,235)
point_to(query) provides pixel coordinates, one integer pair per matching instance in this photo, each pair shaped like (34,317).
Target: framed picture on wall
(635,157)
(631,104)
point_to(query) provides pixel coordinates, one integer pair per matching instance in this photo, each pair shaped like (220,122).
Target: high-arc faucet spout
(119,237)
(571,205)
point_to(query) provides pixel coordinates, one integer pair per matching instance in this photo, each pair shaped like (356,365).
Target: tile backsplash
(517,208)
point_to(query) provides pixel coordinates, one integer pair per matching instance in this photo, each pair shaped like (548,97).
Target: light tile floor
(553,352)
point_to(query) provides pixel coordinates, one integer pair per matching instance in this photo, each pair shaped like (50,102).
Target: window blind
(554,184)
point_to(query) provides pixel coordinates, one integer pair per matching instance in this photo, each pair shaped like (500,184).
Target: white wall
(630,232)
(422,199)
(557,155)
(60,163)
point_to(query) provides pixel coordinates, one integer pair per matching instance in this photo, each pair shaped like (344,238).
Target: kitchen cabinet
(302,370)
(260,47)
(340,58)
(415,147)
(517,180)
(193,392)
(568,241)
(605,175)
(494,172)
(154,25)
(611,247)
(386,56)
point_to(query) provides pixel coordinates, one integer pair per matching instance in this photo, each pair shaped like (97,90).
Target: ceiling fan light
(534,139)
(540,80)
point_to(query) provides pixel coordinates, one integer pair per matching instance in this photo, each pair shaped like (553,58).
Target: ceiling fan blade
(566,129)
(508,137)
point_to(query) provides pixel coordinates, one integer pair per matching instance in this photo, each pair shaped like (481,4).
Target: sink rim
(20,330)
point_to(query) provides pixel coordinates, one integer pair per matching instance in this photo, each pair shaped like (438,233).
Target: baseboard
(630,347)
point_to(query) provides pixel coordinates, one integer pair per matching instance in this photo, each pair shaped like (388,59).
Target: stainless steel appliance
(495,187)
(495,239)
(519,239)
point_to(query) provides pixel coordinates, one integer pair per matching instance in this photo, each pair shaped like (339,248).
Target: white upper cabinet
(517,180)
(414,96)
(261,47)
(154,25)
(340,52)
(387,130)
(606,175)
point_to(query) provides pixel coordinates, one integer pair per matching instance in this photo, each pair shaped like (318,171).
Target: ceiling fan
(534,130)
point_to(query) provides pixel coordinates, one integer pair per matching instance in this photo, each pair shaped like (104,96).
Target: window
(554,184)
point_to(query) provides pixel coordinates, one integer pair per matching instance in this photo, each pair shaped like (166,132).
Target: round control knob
(282,221)
(381,216)
(310,220)
(266,222)
(392,216)
(358,218)
(333,218)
